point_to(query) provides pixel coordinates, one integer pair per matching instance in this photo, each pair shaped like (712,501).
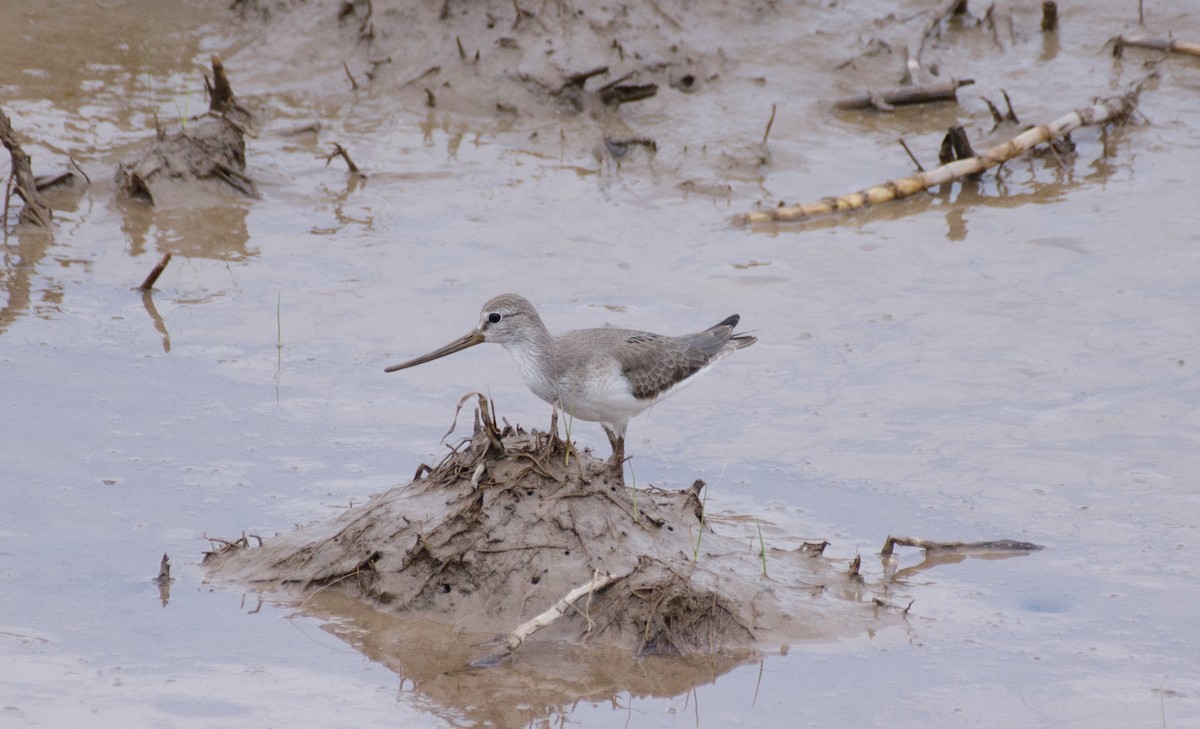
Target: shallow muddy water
(1002,359)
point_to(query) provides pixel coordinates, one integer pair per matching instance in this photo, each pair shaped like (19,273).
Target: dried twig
(911,156)
(427,72)
(770,123)
(340,151)
(1106,110)
(156,272)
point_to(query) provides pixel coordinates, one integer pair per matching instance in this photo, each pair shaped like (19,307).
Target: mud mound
(205,150)
(510,524)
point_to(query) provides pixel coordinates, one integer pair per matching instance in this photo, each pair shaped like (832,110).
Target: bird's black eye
(494,318)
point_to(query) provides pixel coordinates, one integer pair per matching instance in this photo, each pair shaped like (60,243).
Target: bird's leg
(617,462)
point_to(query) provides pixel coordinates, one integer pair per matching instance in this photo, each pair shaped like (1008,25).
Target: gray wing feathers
(654,363)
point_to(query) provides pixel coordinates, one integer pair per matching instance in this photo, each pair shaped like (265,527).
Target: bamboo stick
(1103,111)
(1156,44)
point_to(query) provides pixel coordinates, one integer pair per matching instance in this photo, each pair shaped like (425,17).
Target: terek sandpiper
(600,375)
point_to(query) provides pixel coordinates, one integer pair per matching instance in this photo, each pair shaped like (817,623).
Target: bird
(604,375)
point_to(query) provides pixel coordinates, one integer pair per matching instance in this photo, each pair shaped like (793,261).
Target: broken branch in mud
(999,545)
(1155,44)
(943,553)
(887,99)
(614,93)
(913,157)
(21,180)
(770,123)
(955,146)
(618,92)
(1113,109)
(1049,16)
(999,118)
(415,79)
(340,151)
(560,608)
(571,90)
(156,272)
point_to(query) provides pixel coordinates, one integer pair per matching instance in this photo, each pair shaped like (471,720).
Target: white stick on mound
(526,629)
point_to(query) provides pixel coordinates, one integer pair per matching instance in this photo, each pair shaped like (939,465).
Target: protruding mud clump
(513,530)
(206,148)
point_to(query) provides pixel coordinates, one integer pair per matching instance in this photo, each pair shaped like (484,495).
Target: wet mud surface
(1010,356)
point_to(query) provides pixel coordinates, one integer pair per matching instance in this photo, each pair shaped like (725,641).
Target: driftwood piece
(1103,111)
(887,99)
(1155,44)
(21,179)
(938,554)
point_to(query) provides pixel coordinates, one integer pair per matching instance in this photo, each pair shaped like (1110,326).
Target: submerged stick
(156,272)
(904,95)
(1155,44)
(1103,111)
(999,545)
